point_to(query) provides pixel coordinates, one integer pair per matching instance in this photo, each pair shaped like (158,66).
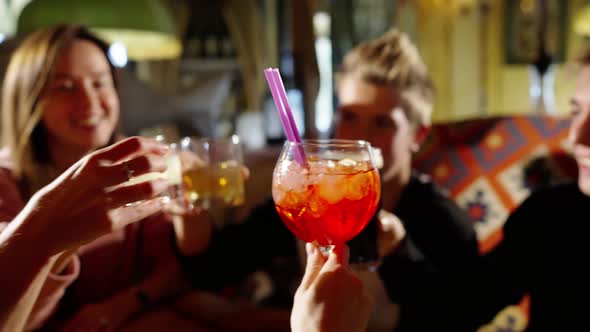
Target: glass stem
(327,250)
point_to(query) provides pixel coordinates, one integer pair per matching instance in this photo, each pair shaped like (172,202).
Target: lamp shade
(145,27)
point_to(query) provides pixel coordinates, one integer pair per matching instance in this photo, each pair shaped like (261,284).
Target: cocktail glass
(332,196)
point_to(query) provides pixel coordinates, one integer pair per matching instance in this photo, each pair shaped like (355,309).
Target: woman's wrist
(30,228)
(21,244)
(27,238)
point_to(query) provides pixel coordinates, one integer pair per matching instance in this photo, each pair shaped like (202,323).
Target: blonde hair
(27,74)
(393,60)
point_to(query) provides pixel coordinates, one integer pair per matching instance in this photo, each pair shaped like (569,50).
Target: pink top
(100,269)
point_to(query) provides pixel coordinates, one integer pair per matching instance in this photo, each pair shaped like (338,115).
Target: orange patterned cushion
(490,166)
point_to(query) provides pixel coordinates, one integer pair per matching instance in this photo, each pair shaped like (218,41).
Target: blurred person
(59,103)
(536,256)
(49,223)
(427,246)
(386,97)
(543,250)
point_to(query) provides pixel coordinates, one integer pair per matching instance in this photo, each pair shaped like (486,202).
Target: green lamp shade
(145,27)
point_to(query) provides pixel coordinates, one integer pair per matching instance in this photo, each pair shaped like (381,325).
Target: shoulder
(565,190)
(557,197)
(422,184)
(426,205)
(545,203)
(425,197)
(537,217)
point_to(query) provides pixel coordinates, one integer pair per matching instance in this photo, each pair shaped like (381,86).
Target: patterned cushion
(489,167)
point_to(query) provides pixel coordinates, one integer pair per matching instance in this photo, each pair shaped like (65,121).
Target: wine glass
(326,191)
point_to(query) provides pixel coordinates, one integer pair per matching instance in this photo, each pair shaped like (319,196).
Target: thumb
(338,258)
(341,254)
(315,261)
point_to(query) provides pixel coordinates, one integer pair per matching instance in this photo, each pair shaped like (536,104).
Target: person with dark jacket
(427,245)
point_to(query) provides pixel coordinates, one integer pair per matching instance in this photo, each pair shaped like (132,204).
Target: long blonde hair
(29,69)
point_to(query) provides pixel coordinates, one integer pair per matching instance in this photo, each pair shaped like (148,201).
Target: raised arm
(50,223)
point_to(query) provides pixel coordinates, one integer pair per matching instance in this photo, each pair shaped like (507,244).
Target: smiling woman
(60,104)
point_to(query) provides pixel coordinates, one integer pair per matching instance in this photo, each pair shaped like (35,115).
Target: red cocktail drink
(328,201)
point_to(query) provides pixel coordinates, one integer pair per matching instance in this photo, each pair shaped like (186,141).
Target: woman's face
(80,103)
(371,112)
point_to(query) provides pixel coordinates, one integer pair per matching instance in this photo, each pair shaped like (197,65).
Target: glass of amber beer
(212,171)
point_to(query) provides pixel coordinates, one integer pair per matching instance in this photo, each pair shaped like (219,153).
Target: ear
(420,135)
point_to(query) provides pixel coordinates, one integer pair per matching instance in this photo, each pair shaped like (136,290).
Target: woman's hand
(90,199)
(331,297)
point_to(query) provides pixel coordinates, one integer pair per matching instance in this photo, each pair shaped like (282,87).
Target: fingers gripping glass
(172,175)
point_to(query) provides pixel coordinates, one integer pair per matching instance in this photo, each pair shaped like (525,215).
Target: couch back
(489,166)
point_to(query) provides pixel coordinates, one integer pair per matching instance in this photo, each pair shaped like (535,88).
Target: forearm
(24,263)
(35,283)
(53,290)
(193,233)
(19,315)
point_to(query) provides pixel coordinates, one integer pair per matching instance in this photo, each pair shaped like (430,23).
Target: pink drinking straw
(275,96)
(285,102)
(279,96)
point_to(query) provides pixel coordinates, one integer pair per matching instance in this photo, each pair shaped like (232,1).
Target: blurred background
(196,67)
